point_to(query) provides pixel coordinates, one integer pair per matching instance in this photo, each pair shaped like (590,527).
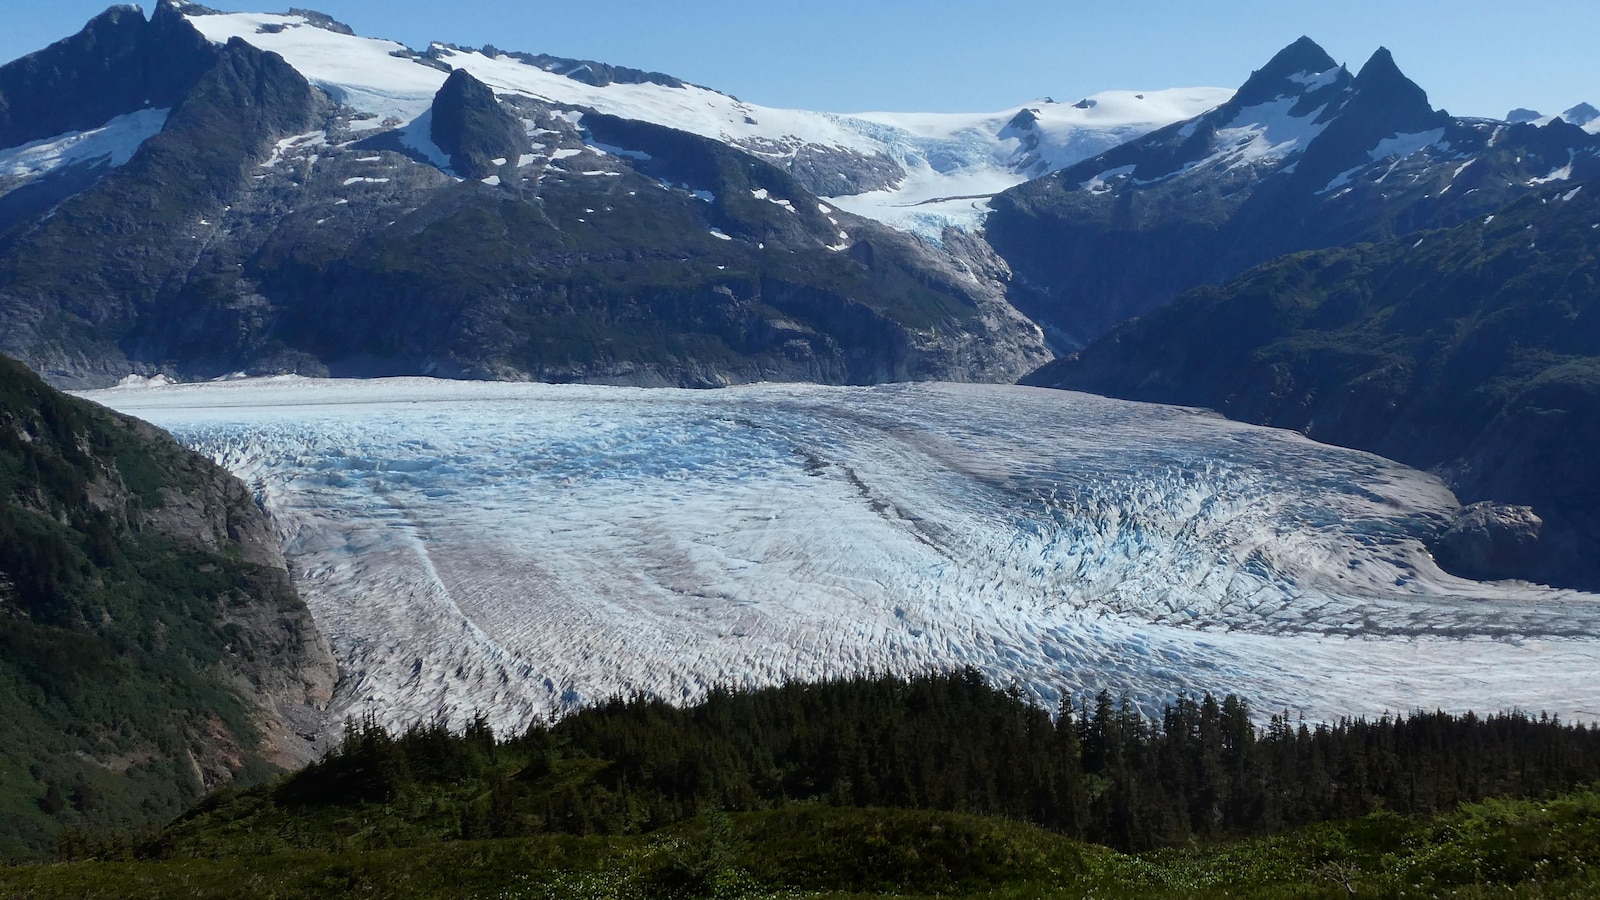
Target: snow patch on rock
(112,144)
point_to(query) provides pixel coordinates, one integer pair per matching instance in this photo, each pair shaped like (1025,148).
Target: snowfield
(112,144)
(953,162)
(522,549)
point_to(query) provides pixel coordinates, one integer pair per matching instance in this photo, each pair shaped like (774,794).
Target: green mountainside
(151,644)
(1472,351)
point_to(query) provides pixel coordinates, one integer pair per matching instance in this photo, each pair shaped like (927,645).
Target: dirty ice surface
(520,549)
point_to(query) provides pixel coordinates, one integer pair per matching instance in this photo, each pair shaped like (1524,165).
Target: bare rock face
(827,171)
(1491,541)
(1126,232)
(260,231)
(119,63)
(470,126)
(281,662)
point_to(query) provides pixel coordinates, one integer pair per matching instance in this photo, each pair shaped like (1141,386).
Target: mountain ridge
(138,64)
(212,266)
(1299,159)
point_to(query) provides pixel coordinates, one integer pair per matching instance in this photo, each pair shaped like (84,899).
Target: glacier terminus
(523,549)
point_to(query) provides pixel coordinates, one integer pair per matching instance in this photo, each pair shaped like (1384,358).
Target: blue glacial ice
(519,549)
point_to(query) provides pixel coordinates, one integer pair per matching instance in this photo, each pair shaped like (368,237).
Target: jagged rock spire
(1381,84)
(119,63)
(1303,57)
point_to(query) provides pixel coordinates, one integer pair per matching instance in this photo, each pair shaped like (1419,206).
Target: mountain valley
(522,550)
(480,388)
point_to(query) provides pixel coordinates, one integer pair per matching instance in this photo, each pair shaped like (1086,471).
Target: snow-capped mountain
(1304,155)
(916,171)
(1473,362)
(274,193)
(519,549)
(1584,115)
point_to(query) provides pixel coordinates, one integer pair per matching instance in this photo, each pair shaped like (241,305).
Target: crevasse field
(519,549)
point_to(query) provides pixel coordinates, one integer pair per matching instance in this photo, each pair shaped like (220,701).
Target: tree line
(1096,769)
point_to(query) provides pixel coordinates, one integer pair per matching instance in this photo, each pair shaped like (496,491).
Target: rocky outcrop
(260,231)
(1491,541)
(321,20)
(119,63)
(828,171)
(280,661)
(1304,156)
(146,222)
(469,126)
(1581,115)
(585,71)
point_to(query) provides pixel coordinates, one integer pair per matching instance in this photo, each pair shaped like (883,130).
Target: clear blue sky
(1474,57)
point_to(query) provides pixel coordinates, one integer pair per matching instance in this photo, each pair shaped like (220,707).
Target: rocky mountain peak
(1581,115)
(254,88)
(179,9)
(1024,120)
(1384,105)
(322,20)
(1303,56)
(470,126)
(119,63)
(121,15)
(1285,74)
(1382,89)
(1301,157)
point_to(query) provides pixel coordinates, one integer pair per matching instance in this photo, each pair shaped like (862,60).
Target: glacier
(521,550)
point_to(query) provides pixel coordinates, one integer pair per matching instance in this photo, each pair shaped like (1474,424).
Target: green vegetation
(1473,351)
(1493,850)
(112,632)
(888,787)
(1101,772)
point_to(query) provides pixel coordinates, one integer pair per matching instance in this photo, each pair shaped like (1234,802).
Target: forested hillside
(891,787)
(1472,351)
(1099,770)
(151,645)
